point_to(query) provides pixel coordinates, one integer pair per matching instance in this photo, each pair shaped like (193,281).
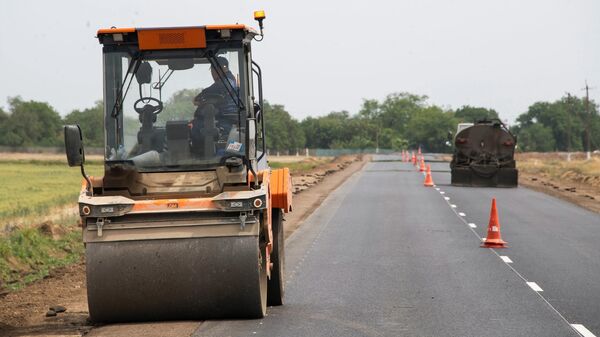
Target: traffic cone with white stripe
(422,166)
(494,238)
(414,158)
(428,180)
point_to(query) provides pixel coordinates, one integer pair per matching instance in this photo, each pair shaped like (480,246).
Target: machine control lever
(243,217)
(100,223)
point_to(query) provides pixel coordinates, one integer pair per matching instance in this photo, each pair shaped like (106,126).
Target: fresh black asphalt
(385,256)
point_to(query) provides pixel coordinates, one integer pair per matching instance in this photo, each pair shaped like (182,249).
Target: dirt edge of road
(23,313)
(582,195)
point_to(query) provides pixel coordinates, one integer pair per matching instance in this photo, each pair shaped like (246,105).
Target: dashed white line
(437,188)
(461,214)
(583,330)
(534,286)
(442,192)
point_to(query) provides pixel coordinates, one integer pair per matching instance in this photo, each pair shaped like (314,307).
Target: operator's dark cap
(222,61)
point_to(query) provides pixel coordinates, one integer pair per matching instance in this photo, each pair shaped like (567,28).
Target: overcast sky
(321,56)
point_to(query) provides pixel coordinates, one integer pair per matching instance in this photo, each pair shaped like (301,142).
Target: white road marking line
(462,214)
(583,330)
(447,198)
(472,225)
(453,206)
(442,192)
(534,286)
(506,259)
(437,188)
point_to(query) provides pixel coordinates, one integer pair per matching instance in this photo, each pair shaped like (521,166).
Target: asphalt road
(385,256)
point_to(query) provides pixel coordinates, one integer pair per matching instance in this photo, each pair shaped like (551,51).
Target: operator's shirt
(228,106)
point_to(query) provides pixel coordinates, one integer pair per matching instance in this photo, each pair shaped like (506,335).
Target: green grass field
(31,188)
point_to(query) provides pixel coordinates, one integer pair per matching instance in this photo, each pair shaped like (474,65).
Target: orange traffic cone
(419,150)
(428,180)
(414,158)
(494,238)
(422,166)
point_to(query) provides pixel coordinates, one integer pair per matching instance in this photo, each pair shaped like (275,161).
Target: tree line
(399,121)
(32,123)
(404,120)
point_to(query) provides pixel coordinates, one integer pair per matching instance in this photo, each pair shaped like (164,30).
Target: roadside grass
(557,169)
(32,191)
(302,166)
(29,254)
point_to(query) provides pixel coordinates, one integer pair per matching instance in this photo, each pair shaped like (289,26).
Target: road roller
(187,221)
(484,155)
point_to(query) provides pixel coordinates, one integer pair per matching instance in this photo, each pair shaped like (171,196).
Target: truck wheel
(276,284)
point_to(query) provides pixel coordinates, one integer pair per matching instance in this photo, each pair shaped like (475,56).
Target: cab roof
(161,38)
(114,30)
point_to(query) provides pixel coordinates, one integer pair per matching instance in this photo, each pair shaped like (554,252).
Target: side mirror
(144,73)
(74,145)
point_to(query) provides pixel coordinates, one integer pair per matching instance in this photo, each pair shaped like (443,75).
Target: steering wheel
(232,159)
(155,109)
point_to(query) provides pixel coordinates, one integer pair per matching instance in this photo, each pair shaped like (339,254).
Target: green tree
(536,137)
(398,109)
(31,123)
(566,118)
(339,130)
(3,117)
(283,133)
(91,122)
(470,114)
(327,131)
(429,129)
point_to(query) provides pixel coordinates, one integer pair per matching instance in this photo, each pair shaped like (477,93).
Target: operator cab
(177,98)
(180,102)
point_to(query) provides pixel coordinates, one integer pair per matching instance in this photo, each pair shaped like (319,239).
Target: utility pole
(569,112)
(588,114)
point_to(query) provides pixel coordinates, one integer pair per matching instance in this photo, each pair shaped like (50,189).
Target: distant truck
(484,155)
